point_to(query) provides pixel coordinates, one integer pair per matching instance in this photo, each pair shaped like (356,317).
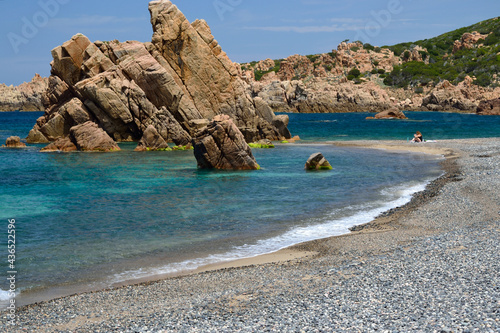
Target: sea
(88,221)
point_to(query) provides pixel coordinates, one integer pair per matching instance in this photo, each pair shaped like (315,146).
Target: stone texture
(25,97)
(90,137)
(222,146)
(151,140)
(490,107)
(173,83)
(317,162)
(389,114)
(60,145)
(14,142)
(468,41)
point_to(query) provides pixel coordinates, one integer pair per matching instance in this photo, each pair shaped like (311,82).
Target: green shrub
(312,57)
(368,47)
(354,72)
(483,80)
(259,74)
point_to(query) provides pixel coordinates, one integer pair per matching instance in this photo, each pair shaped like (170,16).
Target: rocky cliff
(352,79)
(175,83)
(25,97)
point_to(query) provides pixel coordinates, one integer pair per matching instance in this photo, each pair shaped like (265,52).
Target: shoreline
(293,252)
(395,228)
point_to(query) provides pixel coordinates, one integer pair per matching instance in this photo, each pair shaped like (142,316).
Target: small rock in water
(14,142)
(318,162)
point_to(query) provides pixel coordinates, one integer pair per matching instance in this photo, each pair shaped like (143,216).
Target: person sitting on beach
(417,137)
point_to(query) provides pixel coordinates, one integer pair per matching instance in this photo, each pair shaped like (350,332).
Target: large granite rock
(490,107)
(173,83)
(89,137)
(222,146)
(14,142)
(465,96)
(25,97)
(60,145)
(151,140)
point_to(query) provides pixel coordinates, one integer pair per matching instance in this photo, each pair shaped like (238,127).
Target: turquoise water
(94,220)
(354,126)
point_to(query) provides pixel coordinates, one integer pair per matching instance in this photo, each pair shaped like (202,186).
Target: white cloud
(346,20)
(309,29)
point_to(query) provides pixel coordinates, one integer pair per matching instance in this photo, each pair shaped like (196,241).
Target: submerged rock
(222,146)
(317,162)
(14,142)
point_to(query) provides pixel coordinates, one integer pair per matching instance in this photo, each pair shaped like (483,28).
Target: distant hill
(453,56)
(470,51)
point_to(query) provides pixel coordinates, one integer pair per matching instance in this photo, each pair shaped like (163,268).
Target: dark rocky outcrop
(175,83)
(490,107)
(317,162)
(222,146)
(14,142)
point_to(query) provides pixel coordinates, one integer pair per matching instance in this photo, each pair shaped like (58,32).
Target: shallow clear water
(98,219)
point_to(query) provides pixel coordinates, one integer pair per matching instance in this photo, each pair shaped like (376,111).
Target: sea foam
(339,224)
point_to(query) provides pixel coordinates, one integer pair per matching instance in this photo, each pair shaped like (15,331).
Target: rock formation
(87,137)
(463,97)
(321,82)
(389,114)
(317,162)
(320,95)
(14,142)
(90,137)
(221,145)
(60,145)
(151,140)
(490,107)
(25,97)
(468,41)
(174,83)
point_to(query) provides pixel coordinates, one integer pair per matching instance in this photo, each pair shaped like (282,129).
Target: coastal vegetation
(472,51)
(444,61)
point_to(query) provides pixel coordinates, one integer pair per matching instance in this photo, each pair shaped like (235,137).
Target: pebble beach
(430,266)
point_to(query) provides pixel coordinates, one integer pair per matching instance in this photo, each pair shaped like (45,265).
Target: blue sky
(246,29)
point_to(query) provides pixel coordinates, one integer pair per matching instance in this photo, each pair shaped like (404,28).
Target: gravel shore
(431,266)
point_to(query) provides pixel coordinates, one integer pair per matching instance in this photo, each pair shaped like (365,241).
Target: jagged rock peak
(174,83)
